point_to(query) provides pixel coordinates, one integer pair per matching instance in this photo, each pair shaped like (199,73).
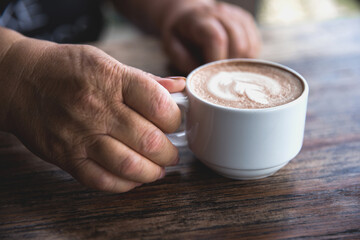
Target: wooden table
(317,195)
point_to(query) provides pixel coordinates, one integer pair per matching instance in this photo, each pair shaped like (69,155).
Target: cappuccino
(245,85)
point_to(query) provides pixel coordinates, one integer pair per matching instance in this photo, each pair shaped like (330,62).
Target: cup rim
(245,60)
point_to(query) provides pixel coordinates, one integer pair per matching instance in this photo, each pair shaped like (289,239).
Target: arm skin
(80,109)
(8,82)
(195,32)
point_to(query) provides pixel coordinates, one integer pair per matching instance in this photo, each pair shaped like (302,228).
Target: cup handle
(179,138)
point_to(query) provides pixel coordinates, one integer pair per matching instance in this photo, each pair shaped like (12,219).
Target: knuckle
(131,166)
(105,182)
(152,142)
(93,144)
(161,105)
(101,69)
(89,49)
(129,78)
(114,69)
(112,73)
(218,37)
(90,58)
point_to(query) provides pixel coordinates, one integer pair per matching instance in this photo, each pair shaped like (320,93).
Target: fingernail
(138,184)
(162,175)
(178,78)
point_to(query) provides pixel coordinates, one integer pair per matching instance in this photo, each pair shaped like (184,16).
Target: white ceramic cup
(242,143)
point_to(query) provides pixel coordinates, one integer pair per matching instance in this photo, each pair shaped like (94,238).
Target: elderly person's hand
(196,32)
(78,108)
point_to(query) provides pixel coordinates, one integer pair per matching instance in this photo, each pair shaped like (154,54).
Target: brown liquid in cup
(245,85)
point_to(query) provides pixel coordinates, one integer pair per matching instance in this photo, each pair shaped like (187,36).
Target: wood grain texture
(316,196)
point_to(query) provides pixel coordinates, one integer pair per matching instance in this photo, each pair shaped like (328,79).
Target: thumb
(172,84)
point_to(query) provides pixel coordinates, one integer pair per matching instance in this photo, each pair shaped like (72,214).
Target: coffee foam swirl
(245,85)
(235,86)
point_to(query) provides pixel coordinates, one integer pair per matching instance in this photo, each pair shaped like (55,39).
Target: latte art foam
(245,85)
(240,86)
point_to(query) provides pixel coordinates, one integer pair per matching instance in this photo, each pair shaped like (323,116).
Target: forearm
(151,15)
(7,39)
(7,82)
(18,58)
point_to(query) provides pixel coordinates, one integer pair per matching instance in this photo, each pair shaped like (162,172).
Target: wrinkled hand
(100,120)
(196,32)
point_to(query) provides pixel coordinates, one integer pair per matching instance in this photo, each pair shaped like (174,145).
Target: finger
(248,24)
(210,35)
(238,41)
(172,84)
(123,161)
(179,54)
(253,34)
(144,95)
(142,136)
(92,175)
